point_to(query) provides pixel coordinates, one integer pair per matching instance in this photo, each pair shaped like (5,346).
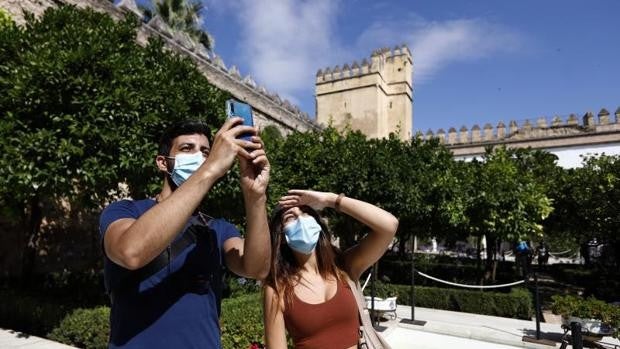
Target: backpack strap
(162,261)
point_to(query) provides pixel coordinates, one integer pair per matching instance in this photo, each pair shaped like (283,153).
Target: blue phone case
(243,110)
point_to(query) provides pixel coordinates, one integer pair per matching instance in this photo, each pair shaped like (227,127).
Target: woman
(306,292)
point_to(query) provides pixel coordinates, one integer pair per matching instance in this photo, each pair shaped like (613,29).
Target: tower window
(390,105)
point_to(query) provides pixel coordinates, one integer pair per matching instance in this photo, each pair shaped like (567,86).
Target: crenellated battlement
(540,128)
(374,95)
(374,64)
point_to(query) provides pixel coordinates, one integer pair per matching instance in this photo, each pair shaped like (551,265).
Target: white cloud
(285,41)
(436,44)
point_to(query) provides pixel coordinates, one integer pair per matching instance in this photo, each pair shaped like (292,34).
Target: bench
(383,306)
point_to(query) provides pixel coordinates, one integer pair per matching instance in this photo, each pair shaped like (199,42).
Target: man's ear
(162,163)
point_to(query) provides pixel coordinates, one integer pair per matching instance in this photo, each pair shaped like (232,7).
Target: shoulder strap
(376,340)
(162,260)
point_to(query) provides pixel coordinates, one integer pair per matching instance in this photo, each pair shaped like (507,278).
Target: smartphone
(235,108)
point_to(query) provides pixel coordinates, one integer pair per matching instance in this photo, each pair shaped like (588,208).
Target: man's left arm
(250,257)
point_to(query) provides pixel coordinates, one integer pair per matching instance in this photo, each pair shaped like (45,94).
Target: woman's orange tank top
(333,324)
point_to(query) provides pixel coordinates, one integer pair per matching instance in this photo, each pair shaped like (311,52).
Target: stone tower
(374,97)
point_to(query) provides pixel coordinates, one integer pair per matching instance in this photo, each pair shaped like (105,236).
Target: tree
(81,107)
(182,15)
(507,202)
(588,205)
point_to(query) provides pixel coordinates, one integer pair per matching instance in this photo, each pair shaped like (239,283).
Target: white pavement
(14,339)
(471,330)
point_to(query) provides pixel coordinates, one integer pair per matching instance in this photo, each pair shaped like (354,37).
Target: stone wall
(543,133)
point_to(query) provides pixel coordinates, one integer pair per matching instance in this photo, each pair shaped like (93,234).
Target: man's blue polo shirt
(177,306)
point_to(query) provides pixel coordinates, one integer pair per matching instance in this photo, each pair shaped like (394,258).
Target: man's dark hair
(181,128)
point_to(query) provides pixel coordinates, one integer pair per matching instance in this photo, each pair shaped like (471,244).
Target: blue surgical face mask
(302,234)
(184,166)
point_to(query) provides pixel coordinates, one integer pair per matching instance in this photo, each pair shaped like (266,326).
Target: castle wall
(566,138)
(373,97)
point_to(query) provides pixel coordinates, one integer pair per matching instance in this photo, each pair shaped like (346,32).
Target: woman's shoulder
(271,298)
(346,278)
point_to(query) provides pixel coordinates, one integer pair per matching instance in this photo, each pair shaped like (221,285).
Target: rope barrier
(555,254)
(469,286)
(366,283)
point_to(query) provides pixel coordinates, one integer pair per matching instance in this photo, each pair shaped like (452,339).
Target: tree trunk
(402,245)
(32,234)
(478,257)
(491,262)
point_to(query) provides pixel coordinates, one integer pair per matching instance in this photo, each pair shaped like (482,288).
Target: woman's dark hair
(284,271)
(181,128)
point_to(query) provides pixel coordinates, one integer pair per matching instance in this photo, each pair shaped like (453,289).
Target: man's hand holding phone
(254,167)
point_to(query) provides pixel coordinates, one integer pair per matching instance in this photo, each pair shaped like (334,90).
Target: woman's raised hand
(315,199)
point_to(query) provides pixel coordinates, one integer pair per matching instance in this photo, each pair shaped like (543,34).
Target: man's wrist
(254,198)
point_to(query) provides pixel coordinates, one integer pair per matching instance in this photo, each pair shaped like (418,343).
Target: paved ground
(472,330)
(443,329)
(13,339)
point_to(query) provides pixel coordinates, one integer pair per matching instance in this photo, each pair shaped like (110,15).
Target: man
(164,258)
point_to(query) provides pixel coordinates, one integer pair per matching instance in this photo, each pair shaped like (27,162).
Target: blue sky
(474,61)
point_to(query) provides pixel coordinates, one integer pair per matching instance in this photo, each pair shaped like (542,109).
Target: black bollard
(575,333)
(537,339)
(412,286)
(538,311)
(413,321)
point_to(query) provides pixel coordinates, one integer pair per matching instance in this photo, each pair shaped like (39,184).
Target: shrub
(590,308)
(84,328)
(242,321)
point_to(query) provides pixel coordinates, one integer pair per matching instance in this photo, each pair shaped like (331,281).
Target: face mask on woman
(302,234)
(184,166)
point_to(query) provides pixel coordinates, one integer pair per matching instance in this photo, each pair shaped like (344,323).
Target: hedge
(516,304)
(84,328)
(242,321)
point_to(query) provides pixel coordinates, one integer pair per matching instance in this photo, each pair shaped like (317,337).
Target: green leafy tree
(414,180)
(588,205)
(182,15)
(81,107)
(437,207)
(507,202)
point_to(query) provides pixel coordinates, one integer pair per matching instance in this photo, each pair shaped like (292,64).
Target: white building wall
(570,157)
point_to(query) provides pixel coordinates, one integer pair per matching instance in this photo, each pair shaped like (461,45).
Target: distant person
(308,292)
(523,257)
(542,254)
(164,257)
